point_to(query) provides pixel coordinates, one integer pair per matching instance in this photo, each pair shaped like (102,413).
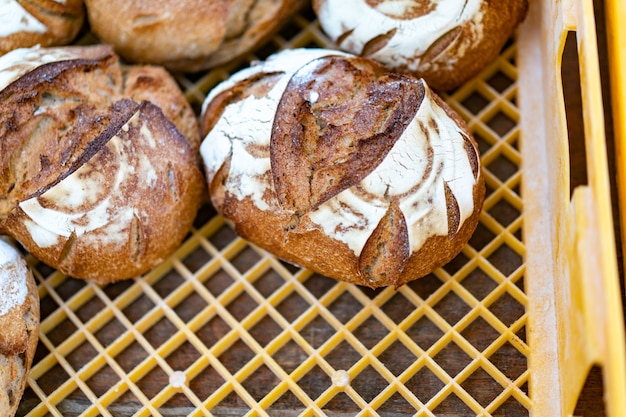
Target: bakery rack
(514,326)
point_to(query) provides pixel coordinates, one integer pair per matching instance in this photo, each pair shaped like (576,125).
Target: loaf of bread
(332,162)
(446,42)
(187,35)
(19,321)
(39,22)
(95,179)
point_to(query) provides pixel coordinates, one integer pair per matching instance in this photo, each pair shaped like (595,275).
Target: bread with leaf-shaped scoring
(99,169)
(446,42)
(334,163)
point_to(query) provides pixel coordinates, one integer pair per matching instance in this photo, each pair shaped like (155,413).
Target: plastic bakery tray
(512,327)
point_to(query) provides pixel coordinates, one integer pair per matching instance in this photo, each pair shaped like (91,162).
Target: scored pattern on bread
(187,35)
(95,194)
(27,23)
(445,41)
(94,175)
(399,28)
(387,249)
(327,136)
(343,153)
(428,157)
(44,106)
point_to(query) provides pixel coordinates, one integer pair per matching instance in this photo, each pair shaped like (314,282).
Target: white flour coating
(413,37)
(353,214)
(86,200)
(13,270)
(15,19)
(287,62)
(238,135)
(19,62)
(397,8)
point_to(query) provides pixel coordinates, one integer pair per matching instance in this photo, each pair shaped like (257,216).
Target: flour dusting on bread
(20,61)
(367,166)
(91,198)
(14,19)
(19,321)
(431,149)
(446,42)
(13,269)
(361,22)
(99,161)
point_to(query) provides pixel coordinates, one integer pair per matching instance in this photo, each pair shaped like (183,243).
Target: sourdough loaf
(446,42)
(25,23)
(95,180)
(19,321)
(334,163)
(187,35)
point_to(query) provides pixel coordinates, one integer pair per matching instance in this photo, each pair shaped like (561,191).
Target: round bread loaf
(19,321)
(446,42)
(334,163)
(95,180)
(39,22)
(187,35)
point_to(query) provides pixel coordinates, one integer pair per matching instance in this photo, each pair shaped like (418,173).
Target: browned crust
(163,213)
(18,342)
(387,250)
(314,250)
(265,20)
(187,35)
(62,20)
(64,80)
(286,230)
(439,250)
(458,55)
(501,18)
(158,31)
(61,117)
(319,149)
(155,85)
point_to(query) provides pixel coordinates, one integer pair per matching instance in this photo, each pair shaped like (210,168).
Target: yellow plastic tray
(575,313)
(511,327)
(616,39)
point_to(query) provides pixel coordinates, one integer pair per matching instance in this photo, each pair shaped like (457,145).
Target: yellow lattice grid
(254,336)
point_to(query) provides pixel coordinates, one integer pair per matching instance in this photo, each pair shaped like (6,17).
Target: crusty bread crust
(18,339)
(61,22)
(96,181)
(468,41)
(307,193)
(187,35)
(155,85)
